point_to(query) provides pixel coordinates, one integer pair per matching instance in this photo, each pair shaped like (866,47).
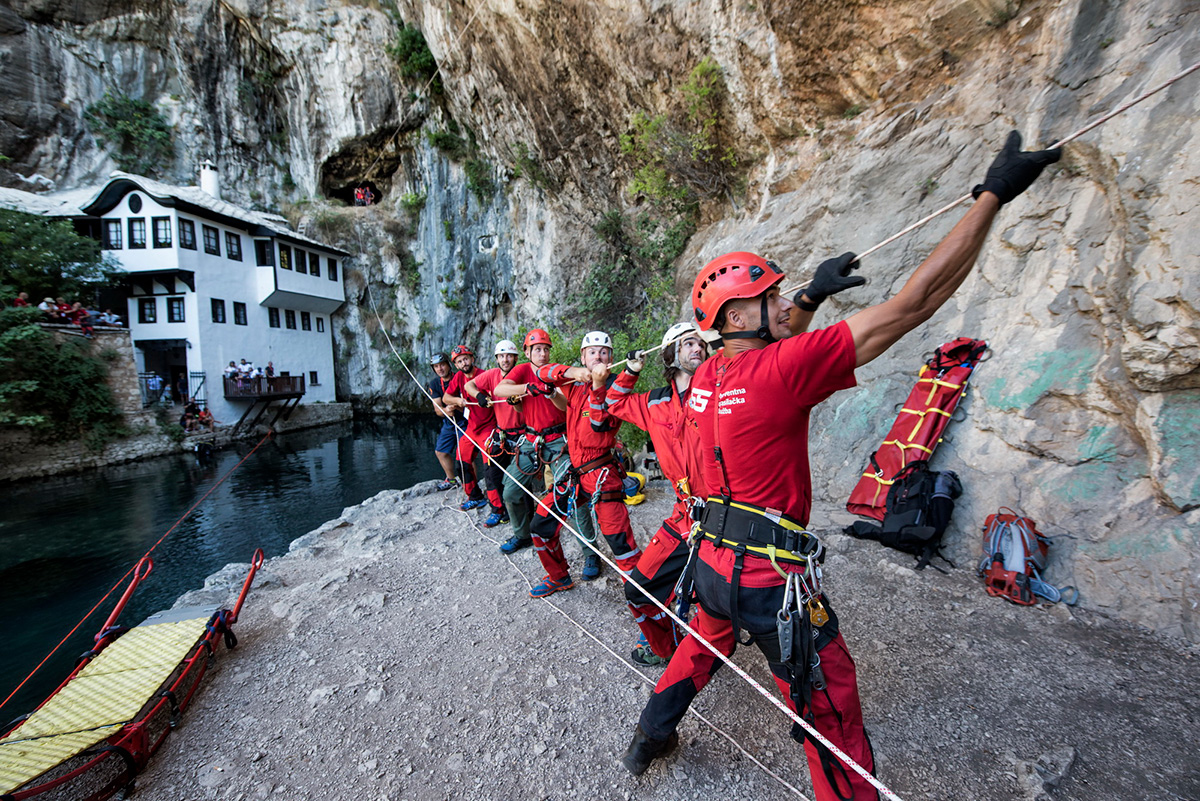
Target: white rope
(645,679)
(954,204)
(793,716)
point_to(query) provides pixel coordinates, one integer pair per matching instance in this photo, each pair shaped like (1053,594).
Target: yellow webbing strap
(769,551)
(103,697)
(921,418)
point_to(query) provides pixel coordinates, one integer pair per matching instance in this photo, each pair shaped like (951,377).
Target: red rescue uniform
(663,414)
(756,407)
(481,423)
(539,413)
(503,443)
(595,471)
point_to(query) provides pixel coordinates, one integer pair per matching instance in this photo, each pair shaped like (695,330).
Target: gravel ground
(396,654)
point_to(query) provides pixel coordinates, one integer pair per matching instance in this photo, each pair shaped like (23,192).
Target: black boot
(645,749)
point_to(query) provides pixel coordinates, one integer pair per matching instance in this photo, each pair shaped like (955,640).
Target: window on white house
(137,232)
(112,235)
(233,245)
(239,313)
(147,310)
(187,234)
(218,310)
(162,232)
(212,240)
(305,321)
(174,310)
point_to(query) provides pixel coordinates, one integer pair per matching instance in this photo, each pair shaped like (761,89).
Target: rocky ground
(396,654)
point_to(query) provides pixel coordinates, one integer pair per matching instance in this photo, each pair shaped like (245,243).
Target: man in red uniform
(594,477)
(662,414)
(544,443)
(480,424)
(752,404)
(503,443)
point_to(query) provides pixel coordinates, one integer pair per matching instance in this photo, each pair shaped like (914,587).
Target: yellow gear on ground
(638,496)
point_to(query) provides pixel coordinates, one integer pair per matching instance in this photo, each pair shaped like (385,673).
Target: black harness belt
(762,532)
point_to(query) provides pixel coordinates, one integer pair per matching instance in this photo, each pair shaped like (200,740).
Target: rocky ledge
(395,653)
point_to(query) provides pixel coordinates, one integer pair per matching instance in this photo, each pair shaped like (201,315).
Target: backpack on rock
(916,514)
(1014,556)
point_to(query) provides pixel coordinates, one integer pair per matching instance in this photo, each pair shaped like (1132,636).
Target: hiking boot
(591,567)
(495,519)
(469,504)
(643,750)
(548,586)
(446,484)
(514,544)
(644,655)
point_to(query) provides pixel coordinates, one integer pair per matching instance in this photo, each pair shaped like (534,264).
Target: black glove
(483,400)
(536,388)
(513,401)
(1014,169)
(832,276)
(633,356)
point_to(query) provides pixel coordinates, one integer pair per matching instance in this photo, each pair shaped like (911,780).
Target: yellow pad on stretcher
(106,695)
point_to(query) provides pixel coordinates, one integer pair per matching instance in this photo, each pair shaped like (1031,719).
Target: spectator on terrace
(21,300)
(49,308)
(108,318)
(81,317)
(270,369)
(64,310)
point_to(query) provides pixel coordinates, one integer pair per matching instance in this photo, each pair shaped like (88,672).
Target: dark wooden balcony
(283,387)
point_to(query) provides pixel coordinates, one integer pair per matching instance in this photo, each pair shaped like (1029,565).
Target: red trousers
(611,514)
(469,444)
(835,710)
(658,570)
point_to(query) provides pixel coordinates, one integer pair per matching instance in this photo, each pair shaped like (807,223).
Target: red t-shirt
(761,415)
(538,412)
(479,419)
(508,416)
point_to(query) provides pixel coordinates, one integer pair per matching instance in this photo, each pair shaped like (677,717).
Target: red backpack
(1014,556)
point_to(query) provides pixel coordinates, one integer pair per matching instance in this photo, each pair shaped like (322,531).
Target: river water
(65,541)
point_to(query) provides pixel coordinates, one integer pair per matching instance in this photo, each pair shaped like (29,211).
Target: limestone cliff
(848,120)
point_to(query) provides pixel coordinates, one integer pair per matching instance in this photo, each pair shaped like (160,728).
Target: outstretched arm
(879,327)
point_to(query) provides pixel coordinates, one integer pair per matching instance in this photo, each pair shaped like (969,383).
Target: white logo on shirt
(699,399)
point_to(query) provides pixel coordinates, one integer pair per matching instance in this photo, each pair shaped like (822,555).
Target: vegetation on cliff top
(137,130)
(46,258)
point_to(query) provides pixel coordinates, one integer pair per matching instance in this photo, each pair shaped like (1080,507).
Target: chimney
(210,179)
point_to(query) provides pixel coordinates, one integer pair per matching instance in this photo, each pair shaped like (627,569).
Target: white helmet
(678,332)
(507,346)
(596,339)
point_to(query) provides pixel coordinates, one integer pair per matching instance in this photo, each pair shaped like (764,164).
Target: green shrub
(526,164)
(413,202)
(480,179)
(56,390)
(410,272)
(411,52)
(46,258)
(136,129)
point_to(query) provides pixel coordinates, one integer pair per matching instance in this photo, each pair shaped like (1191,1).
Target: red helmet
(460,350)
(728,277)
(537,337)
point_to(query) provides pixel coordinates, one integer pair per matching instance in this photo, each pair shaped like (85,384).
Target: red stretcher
(919,424)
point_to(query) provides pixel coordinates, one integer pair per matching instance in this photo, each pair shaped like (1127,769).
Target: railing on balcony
(284,386)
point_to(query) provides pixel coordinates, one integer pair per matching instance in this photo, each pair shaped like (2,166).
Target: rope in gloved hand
(797,719)
(854,260)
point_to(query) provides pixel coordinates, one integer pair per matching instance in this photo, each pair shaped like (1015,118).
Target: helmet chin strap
(764,328)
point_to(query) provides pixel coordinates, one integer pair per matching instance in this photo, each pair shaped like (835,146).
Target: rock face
(848,122)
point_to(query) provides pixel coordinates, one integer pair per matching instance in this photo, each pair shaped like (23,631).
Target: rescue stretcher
(98,730)
(919,424)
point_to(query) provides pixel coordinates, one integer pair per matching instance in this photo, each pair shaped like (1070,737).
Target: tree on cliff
(46,258)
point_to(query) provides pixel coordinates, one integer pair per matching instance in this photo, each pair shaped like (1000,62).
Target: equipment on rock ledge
(919,425)
(919,504)
(1014,556)
(98,730)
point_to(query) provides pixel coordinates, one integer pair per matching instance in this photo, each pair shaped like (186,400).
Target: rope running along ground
(794,717)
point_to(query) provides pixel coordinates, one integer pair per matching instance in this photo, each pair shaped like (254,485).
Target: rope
(642,676)
(795,718)
(121,580)
(954,204)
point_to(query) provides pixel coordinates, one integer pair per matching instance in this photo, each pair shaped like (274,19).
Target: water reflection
(64,541)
